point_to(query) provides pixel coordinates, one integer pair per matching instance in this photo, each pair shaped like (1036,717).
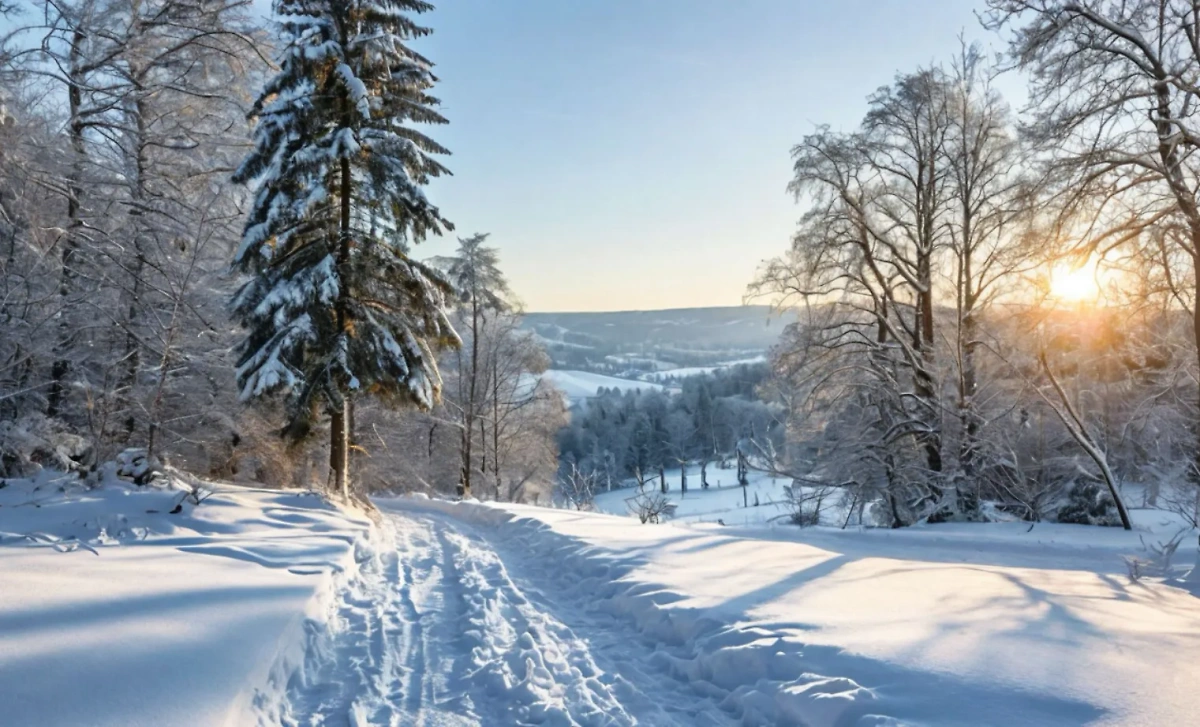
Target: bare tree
(577,488)
(991,207)
(475,272)
(869,245)
(1066,412)
(1113,93)
(925,204)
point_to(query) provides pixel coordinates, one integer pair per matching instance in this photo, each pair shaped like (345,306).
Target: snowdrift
(114,611)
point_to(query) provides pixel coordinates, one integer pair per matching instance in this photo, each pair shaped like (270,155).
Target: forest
(998,309)
(154,196)
(210,236)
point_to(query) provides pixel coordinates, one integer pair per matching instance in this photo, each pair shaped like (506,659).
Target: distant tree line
(617,437)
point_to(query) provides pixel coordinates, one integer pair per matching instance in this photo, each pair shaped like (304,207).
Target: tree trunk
(339,451)
(469,408)
(1195,468)
(1078,430)
(71,241)
(133,347)
(464,470)
(483,454)
(496,421)
(339,429)
(926,385)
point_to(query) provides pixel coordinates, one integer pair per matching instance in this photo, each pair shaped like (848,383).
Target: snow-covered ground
(578,385)
(721,501)
(275,608)
(115,612)
(1011,628)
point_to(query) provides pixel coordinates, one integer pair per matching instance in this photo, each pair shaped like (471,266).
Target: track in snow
(434,631)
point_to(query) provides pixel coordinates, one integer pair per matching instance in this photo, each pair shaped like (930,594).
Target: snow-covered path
(485,615)
(278,608)
(434,629)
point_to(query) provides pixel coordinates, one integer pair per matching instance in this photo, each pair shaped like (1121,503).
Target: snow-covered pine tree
(336,306)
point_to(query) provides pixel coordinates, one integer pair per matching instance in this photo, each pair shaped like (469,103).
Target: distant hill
(579,385)
(631,343)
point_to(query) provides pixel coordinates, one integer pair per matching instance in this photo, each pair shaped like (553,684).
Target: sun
(1074,284)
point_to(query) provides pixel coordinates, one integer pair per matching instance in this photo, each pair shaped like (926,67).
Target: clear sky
(634,154)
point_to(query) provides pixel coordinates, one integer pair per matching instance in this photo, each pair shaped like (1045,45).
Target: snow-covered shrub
(136,464)
(651,506)
(805,505)
(1159,562)
(34,442)
(1135,568)
(1088,504)
(577,488)
(1182,497)
(806,516)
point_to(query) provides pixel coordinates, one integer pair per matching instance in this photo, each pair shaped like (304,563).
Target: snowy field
(274,608)
(577,385)
(723,500)
(855,629)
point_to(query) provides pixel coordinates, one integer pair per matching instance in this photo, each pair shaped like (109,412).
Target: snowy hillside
(579,385)
(853,629)
(630,342)
(686,371)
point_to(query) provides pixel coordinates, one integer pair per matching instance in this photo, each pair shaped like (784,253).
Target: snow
(854,629)
(357,91)
(115,612)
(722,500)
(579,385)
(686,371)
(276,608)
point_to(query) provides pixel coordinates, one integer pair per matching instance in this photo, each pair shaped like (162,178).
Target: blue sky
(634,154)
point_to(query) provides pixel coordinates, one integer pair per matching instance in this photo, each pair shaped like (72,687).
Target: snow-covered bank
(113,611)
(784,632)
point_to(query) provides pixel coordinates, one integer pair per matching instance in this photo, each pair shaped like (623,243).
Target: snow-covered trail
(433,629)
(462,613)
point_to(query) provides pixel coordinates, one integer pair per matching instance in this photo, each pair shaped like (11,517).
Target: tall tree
(335,305)
(990,206)
(924,194)
(1113,96)
(869,244)
(174,129)
(475,271)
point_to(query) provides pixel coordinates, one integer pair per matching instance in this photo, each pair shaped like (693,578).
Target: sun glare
(1074,285)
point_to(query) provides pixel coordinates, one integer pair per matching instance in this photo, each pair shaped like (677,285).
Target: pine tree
(336,306)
